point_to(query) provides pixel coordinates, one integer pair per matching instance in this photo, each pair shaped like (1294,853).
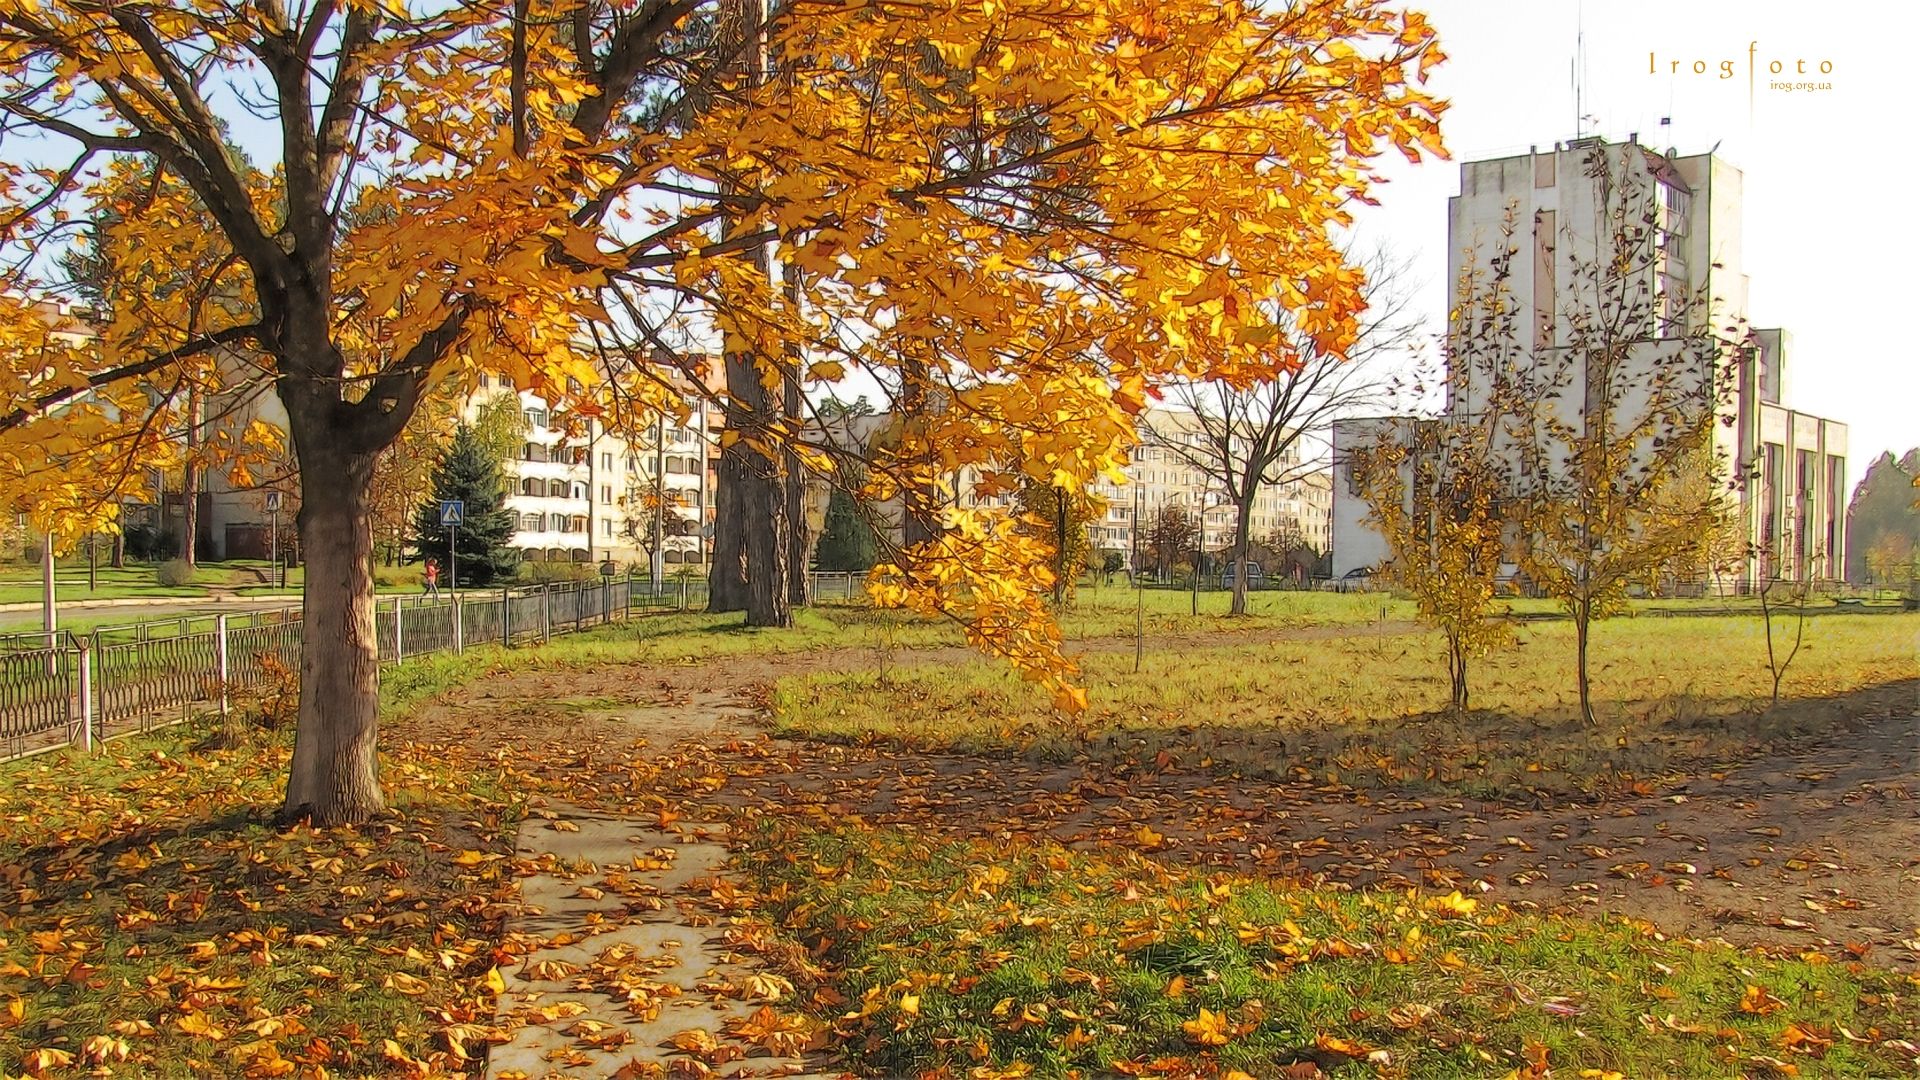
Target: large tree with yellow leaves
(1021,215)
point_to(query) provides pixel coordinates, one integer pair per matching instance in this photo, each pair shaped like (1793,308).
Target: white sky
(1828,230)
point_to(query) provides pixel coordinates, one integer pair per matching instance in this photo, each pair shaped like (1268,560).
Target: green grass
(1003,955)
(1370,709)
(21,585)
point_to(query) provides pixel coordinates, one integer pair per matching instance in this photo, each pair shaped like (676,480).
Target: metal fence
(63,688)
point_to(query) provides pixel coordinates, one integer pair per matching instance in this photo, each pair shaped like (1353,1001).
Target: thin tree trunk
(120,545)
(190,484)
(1582,617)
(334,776)
(916,502)
(801,539)
(1457,667)
(1243,519)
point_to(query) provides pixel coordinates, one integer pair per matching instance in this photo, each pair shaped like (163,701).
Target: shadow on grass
(1551,755)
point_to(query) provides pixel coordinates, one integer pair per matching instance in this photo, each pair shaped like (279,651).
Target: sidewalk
(213,596)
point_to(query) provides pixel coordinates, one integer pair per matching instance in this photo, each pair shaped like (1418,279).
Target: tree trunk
(1243,519)
(793,494)
(727,580)
(800,539)
(120,543)
(769,599)
(190,484)
(334,777)
(1457,671)
(918,507)
(1582,618)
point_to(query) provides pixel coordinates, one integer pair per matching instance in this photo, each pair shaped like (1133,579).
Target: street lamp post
(49,607)
(273,540)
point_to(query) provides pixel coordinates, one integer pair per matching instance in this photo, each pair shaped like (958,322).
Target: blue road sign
(451,511)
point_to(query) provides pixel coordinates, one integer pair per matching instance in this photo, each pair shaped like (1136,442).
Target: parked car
(1358,579)
(1256,577)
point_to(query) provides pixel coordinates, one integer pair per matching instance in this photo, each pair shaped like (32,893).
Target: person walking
(432,573)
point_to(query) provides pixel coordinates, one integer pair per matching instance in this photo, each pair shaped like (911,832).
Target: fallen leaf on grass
(1208,1029)
(1759,1001)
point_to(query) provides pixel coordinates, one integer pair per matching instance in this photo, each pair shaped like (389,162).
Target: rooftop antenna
(1579,72)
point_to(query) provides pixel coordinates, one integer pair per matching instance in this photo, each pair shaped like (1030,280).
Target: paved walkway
(633,967)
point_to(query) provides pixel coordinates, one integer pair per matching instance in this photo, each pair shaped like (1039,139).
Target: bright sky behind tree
(1827,251)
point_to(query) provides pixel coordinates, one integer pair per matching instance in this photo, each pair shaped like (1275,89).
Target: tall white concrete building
(1793,502)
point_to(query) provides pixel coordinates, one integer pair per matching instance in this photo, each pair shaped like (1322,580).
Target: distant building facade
(1160,478)
(1792,501)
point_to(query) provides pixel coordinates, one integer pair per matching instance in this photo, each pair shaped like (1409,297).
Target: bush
(148,543)
(554,571)
(174,573)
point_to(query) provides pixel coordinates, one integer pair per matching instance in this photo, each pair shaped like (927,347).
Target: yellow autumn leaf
(196,1023)
(1208,1029)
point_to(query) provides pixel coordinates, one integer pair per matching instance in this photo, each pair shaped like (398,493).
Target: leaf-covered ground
(154,921)
(1029,957)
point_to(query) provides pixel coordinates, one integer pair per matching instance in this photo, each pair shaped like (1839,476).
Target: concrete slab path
(629,972)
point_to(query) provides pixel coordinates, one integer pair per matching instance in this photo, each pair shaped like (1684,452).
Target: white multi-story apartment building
(1792,502)
(580,497)
(1162,478)
(576,498)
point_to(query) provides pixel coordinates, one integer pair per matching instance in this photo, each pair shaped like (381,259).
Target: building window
(606,527)
(530,486)
(557,489)
(533,522)
(536,418)
(580,490)
(673,464)
(606,460)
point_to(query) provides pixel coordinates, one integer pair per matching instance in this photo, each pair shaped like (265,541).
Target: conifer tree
(470,473)
(847,542)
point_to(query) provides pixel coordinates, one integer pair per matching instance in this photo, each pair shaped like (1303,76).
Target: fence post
(628,617)
(546,612)
(399,642)
(220,659)
(506,616)
(453,614)
(84,737)
(683,593)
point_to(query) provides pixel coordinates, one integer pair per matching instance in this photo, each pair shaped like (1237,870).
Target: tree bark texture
(1243,520)
(335,776)
(752,530)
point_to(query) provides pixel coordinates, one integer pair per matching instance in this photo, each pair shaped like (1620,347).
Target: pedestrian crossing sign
(451,511)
